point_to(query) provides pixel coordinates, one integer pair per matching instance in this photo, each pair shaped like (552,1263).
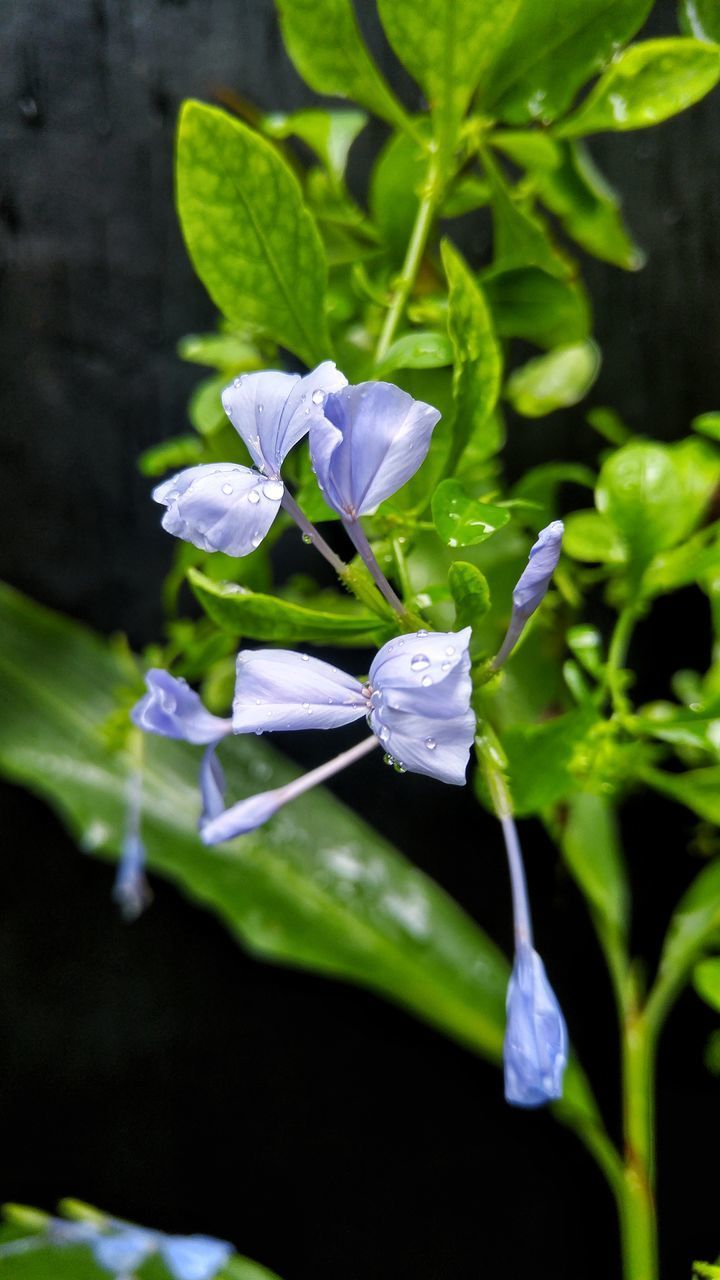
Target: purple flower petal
(278,689)
(173,710)
(272,411)
(534,581)
(131,890)
(242,817)
(371,440)
(220,507)
(438,748)
(124,1252)
(536,1041)
(212,784)
(426,673)
(194,1257)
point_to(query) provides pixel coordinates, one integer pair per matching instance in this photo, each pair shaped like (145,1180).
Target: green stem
(638,1222)
(617,654)
(413,257)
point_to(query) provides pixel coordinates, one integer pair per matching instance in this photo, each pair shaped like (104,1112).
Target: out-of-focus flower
(536,1042)
(532,585)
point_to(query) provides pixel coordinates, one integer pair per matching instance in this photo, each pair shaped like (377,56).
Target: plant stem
(359,539)
(413,257)
(638,1223)
(617,653)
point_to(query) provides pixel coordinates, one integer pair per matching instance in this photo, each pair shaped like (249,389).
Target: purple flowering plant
(364,375)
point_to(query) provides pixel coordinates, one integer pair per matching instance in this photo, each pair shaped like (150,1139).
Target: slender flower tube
(532,586)
(228,507)
(535,1052)
(171,709)
(416,701)
(131,890)
(369,440)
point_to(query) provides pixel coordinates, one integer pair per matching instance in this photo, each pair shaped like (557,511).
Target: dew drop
(450,650)
(399,767)
(446,666)
(258,702)
(421,633)
(420,662)
(274,490)
(384,733)
(387,759)
(304,657)
(256,539)
(228,408)
(318,397)
(227,489)
(261,408)
(254,497)
(236,382)
(426,682)
(258,733)
(307,539)
(430,743)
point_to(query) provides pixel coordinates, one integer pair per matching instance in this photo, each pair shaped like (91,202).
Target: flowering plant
(363,375)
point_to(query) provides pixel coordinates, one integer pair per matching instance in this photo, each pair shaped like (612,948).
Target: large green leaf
(447,46)
(539,758)
(696,922)
(529,303)
(700,18)
(646,84)
(264,617)
(462,521)
(641,493)
(591,848)
(324,41)
(555,380)
(316,887)
(252,241)
(588,207)
(697,789)
(478,360)
(552,48)
(395,183)
(520,238)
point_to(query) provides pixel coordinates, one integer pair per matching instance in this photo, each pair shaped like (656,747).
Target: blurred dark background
(156,1070)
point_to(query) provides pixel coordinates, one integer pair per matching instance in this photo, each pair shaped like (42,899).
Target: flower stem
(357,535)
(310,531)
(518,883)
(324,771)
(413,257)
(638,1223)
(617,654)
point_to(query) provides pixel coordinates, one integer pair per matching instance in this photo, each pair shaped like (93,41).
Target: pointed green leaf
(478,360)
(182,451)
(254,616)
(706,981)
(591,848)
(592,538)
(251,239)
(462,521)
(697,789)
(330,134)
(646,84)
(421,349)
(696,922)
(708,424)
(447,46)
(471,593)
(520,238)
(540,757)
(640,492)
(551,50)
(395,184)
(323,39)
(588,207)
(555,380)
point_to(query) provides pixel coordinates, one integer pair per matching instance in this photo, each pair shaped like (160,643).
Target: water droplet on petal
(446,666)
(253,496)
(318,396)
(384,733)
(258,702)
(388,759)
(399,767)
(227,489)
(430,743)
(426,682)
(421,633)
(274,490)
(304,657)
(258,733)
(256,539)
(420,662)
(228,408)
(236,382)
(261,408)
(450,650)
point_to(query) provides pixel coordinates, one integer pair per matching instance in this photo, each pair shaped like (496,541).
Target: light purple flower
(536,1041)
(532,585)
(124,1251)
(228,507)
(131,890)
(417,703)
(369,441)
(194,1257)
(171,709)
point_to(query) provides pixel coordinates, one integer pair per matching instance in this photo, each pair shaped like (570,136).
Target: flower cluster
(365,441)
(120,1248)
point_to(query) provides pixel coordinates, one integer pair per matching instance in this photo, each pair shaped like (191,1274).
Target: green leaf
(531,304)
(205,409)
(478,360)
(316,887)
(706,981)
(696,922)
(462,521)
(592,538)
(700,18)
(588,207)
(555,380)
(697,789)
(540,485)
(708,424)
(681,566)
(591,847)
(261,617)
(330,134)
(324,42)
(221,351)
(447,46)
(421,349)
(528,149)
(467,193)
(395,182)
(520,238)
(647,83)
(697,464)
(251,239)
(182,451)
(471,593)
(539,758)
(550,52)
(639,491)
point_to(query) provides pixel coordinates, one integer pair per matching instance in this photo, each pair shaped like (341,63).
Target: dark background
(156,1070)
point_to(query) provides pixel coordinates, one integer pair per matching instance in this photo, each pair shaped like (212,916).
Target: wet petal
(242,817)
(173,710)
(212,784)
(123,1253)
(194,1257)
(426,673)
(272,411)
(220,507)
(424,744)
(536,1042)
(371,440)
(534,581)
(279,689)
